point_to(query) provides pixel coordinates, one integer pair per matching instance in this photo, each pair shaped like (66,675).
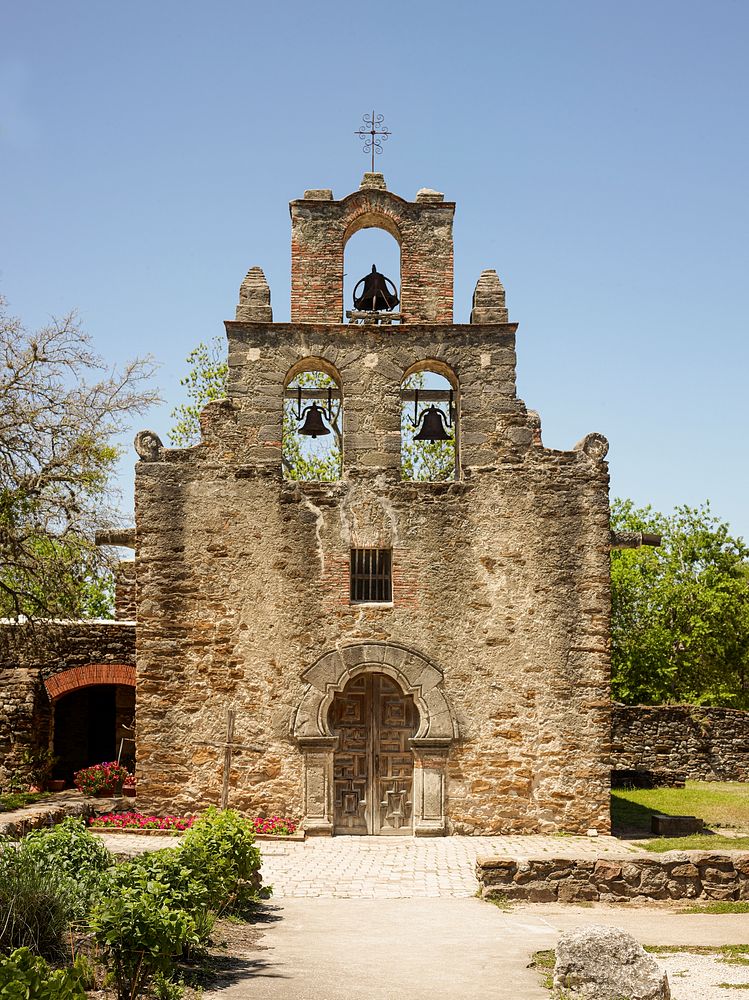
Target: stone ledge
(675,875)
(51,811)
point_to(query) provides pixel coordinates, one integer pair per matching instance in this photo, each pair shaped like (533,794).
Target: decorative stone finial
(429,194)
(318,194)
(534,422)
(594,445)
(376,181)
(488,304)
(148,445)
(254,298)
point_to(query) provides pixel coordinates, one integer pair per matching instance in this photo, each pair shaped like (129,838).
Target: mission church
(372,653)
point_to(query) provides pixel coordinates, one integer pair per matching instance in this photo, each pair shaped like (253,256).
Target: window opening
(371,576)
(428,427)
(312,428)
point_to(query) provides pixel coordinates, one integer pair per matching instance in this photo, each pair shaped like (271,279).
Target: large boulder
(605,963)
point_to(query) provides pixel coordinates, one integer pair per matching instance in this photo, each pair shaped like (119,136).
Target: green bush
(140,933)
(220,850)
(37,902)
(70,849)
(24,976)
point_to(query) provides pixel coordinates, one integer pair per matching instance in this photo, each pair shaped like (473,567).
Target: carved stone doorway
(373,764)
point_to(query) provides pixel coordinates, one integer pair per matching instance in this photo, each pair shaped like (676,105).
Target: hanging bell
(379,293)
(432,426)
(313,424)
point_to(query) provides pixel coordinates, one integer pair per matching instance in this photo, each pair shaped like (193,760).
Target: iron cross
(373,133)
(229,746)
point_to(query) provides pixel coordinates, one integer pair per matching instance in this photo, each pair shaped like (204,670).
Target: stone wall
(675,875)
(709,744)
(501,583)
(30,656)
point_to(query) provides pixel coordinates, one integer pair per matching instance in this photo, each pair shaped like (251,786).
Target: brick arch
(320,228)
(91,675)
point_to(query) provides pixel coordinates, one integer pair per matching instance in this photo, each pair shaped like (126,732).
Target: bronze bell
(432,426)
(313,425)
(376,296)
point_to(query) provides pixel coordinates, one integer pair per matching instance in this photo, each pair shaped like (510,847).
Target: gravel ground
(697,977)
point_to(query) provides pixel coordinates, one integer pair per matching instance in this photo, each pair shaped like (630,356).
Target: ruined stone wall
(674,875)
(701,743)
(501,579)
(29,657)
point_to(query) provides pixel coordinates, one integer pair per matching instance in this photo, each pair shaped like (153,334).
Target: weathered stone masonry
(500,620)
(701,743)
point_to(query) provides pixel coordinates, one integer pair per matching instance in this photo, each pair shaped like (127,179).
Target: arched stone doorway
(93,711)
(416,678)
(373,763)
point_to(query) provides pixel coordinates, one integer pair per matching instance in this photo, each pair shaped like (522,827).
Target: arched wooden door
(373,763)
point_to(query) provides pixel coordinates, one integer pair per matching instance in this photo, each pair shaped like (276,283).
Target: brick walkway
(389,867)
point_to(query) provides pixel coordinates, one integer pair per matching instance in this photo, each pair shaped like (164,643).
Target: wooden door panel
(351,712)
(373,765)
(395,717)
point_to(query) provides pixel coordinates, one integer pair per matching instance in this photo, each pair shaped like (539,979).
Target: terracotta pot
(56,785)
(128,791)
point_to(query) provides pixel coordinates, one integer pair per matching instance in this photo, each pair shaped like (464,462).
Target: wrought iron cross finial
(372,134)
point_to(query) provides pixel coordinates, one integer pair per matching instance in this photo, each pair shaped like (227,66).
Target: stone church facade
(474,696)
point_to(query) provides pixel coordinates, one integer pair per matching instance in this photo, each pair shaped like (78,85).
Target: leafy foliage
(680,612)
(204,382)
(141,933)
(69,849)
(24,975)
(59,409)
(37,902)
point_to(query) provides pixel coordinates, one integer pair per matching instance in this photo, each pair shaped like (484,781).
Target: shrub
(140,933)
(69,849)
(37,902)
(24,975)
(101,779)
(220,849)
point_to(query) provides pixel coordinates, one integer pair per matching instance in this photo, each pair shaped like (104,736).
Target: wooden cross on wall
(229,747)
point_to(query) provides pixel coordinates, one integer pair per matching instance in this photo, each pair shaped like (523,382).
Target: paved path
(430,949)
(407,867)
(389,867)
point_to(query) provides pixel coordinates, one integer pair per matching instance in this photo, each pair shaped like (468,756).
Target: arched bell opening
(429,422)
(370,244)
(312,442)
(373,721)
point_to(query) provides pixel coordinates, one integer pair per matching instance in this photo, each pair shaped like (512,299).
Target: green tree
(204,382)
(680,612)
(60,408)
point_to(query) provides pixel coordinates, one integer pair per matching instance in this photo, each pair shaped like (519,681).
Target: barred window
(371,576)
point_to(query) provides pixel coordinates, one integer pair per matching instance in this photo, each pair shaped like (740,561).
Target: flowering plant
(279,826)
(101,778)
(139,821)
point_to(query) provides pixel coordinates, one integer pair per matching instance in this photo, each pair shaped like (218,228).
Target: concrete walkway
(428,949)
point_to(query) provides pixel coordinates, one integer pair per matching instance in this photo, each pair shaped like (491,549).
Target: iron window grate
(371,576)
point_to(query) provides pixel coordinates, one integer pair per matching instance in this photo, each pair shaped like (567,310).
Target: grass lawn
(16,800)
(717,803)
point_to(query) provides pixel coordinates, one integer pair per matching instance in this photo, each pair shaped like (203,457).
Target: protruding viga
(488,304)
(254,298)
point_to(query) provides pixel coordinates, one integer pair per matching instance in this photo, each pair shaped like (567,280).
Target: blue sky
(597,153)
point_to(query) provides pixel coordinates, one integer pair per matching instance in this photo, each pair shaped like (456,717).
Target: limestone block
(599,963)
(488,304)
(254,298)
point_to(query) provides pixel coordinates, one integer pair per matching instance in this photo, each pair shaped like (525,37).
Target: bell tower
(321,227)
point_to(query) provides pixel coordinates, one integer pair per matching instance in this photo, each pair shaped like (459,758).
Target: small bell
(313,425)
(432,426)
